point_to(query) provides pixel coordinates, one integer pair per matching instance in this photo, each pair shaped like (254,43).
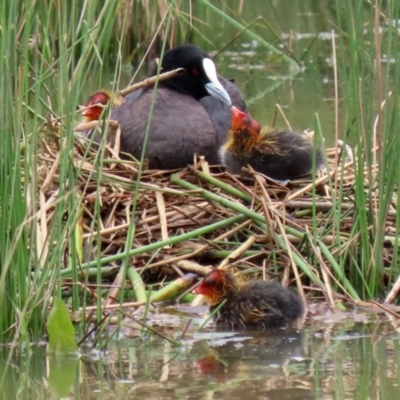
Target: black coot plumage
(252,304)
(219,112)
(191,113)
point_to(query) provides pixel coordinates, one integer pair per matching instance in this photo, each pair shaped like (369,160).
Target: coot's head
(217,286)
(241,121)
(200,76)
(95,104)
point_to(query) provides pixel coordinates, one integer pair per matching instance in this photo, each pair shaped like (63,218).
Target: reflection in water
(263,354)
(345,360)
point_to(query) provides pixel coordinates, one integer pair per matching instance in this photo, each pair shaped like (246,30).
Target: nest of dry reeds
(202,216)
(197,214)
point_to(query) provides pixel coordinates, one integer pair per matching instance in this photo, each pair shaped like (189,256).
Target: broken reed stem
(194,267)
(151,81)
(393,292)
(137,284)
(238,252)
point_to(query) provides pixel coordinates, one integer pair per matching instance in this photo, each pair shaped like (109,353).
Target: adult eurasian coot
(191,113)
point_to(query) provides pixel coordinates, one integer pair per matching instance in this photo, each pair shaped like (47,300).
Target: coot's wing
(179,128)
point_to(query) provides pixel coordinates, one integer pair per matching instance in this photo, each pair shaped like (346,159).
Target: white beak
(214,87)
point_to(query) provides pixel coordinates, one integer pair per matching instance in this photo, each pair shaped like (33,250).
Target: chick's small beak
(95,105)
(87,112)
(198,290)
(240,118)
(93,112)
(214,87)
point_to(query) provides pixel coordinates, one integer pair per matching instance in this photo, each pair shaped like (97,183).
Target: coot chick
(97,102)
(252,304)
(180,124)
(281,155)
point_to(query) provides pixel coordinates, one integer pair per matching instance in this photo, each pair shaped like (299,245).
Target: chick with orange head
(97,102)
(251,304)
(281,155)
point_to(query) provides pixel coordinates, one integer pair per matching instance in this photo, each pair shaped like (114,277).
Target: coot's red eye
(195,71)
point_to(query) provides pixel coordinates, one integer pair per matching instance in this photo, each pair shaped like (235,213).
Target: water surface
(356,358)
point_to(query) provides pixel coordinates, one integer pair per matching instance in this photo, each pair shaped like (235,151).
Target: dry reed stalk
(150,81)
(238,252)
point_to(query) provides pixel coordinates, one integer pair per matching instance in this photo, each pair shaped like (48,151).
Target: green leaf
(60,329)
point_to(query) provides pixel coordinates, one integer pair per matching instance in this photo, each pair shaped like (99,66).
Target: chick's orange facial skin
(216,286)
(208,287)
(243,136)
(96,104)
(241,120)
